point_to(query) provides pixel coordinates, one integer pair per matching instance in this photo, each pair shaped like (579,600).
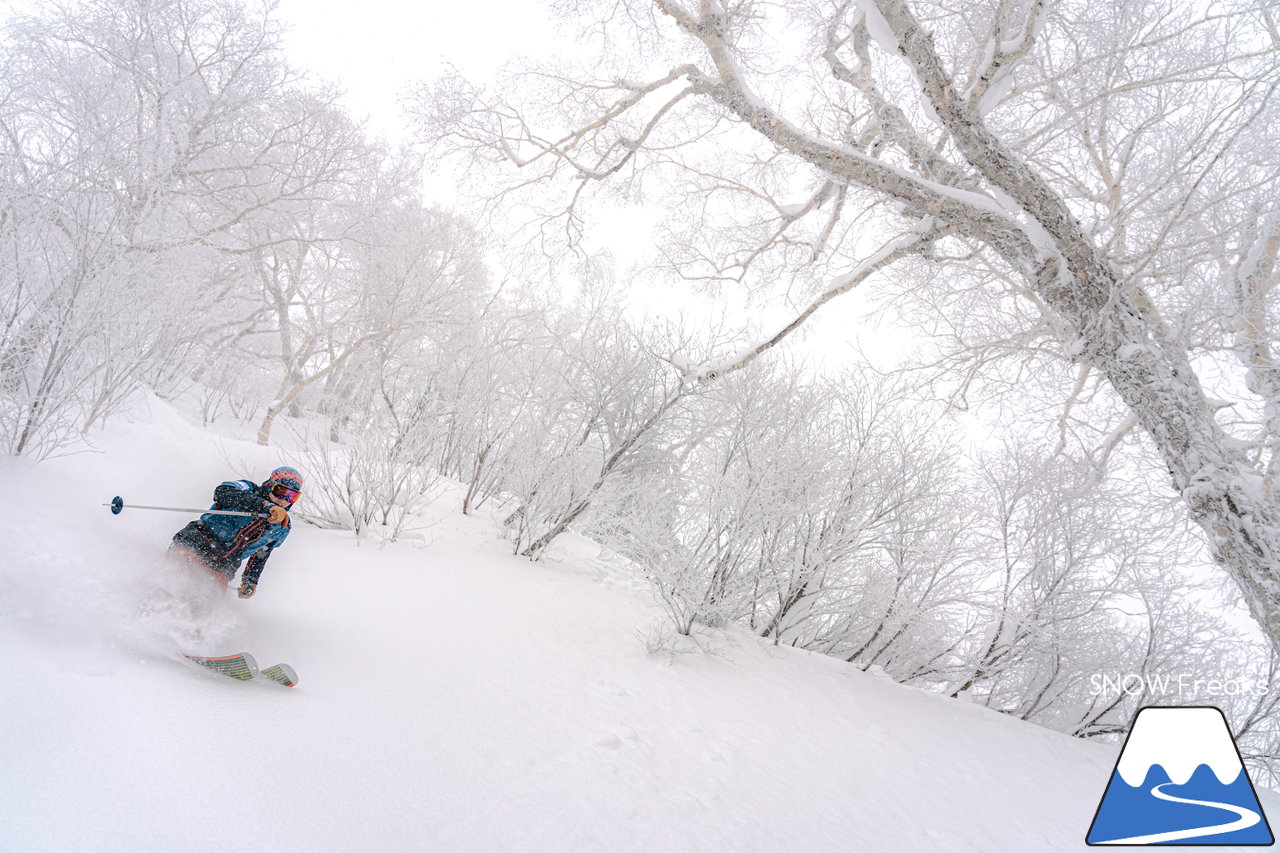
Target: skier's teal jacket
(223,541)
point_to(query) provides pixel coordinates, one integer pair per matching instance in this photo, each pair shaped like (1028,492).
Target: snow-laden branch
(911,243)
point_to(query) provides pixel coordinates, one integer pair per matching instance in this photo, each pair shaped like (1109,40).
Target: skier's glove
(277,514)
(247,589)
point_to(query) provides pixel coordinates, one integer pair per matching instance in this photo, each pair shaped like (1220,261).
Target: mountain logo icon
(1179,780)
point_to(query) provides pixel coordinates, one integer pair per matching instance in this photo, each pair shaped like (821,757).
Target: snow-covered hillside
(452,698)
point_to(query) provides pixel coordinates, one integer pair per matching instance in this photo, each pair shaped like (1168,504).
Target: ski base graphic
(243,667)
(281,673)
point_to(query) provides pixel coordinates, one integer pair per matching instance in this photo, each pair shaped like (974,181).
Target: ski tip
(117,504)
(281,673)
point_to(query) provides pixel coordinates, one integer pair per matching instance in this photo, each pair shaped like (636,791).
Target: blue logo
(1179,780)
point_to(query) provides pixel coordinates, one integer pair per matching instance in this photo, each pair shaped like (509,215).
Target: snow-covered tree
(126,136)
(783,508)
(617,397)
(394,273)
(1085,160)
(146,145)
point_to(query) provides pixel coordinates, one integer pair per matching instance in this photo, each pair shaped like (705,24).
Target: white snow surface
(452,697)
(1179,740)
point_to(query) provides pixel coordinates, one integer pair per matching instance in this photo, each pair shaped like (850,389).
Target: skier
(219,543)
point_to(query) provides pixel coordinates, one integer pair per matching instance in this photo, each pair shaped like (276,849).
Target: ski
(243,667)
(280,673)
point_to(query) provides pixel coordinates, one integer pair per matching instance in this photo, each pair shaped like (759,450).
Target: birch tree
(397,272)
(147,147)
(1089,161)
(617,398)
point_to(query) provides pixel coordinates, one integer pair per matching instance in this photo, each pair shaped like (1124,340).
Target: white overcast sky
(374,48)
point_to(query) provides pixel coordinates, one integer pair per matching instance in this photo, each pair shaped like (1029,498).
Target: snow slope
(451,698)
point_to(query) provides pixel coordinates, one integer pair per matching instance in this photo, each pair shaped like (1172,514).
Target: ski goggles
(280,490)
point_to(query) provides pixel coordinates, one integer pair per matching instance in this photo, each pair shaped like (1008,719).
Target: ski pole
(117,504)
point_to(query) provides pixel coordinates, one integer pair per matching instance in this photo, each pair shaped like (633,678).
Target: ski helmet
(286,477)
